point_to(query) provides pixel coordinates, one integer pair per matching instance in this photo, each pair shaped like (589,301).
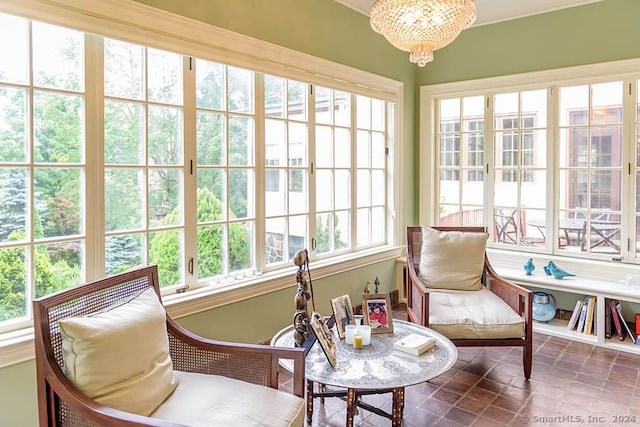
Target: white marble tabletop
(378,365)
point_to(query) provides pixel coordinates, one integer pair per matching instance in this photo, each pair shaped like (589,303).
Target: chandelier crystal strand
(422,26)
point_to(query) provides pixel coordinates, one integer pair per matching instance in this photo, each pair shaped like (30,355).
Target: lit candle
(357,341)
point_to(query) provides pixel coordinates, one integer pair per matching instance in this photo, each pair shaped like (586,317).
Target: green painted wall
(596,32)
(593,33)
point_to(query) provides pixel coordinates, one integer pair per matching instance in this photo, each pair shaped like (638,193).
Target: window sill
(591,277)
(16,347)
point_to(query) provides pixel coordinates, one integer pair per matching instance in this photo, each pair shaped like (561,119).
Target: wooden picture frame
(324,337)
(343,313)
(376,309)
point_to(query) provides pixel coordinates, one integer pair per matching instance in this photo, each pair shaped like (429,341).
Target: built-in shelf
(609,285)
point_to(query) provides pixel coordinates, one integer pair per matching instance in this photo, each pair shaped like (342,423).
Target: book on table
(414,344)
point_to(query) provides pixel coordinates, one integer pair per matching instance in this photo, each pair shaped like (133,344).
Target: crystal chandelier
(422,26)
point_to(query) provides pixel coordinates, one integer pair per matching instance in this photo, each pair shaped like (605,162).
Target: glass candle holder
(365,332)
(349,332)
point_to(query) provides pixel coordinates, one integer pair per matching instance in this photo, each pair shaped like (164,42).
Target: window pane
(324,199)
(165,195)
(124,70)
(58,128)
(574,105)
(324,147)
(324,105)
(212,248)
(342,189)
(240,90)
(210,85)
(241,253)
(165,136)
(211,139)
(342,157)
(17,30)
(58,266)
(241,141)
(165,249)
(342,108)
(274,96)
(241,193)
(13,124)
(297,100)
(165,82)
(123,252)
(363,112)
(58,201)
(124,199)
(14,283)
(58,59)
(14,192)
(124,133)
(211,196)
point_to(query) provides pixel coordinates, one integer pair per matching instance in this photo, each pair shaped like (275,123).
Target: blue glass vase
(544,306)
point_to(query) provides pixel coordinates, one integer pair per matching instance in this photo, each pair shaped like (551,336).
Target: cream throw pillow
(452,259)
(120,355)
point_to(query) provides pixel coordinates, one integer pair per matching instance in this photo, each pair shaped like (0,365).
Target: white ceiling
(490,11)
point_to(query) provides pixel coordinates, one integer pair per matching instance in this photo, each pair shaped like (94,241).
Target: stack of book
(615,324)
(414,344)
(583,316)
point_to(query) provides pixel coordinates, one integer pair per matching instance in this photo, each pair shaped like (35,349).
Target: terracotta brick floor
(572,383)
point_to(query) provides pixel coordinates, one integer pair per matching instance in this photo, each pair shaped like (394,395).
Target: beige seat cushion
(452,259)
(473,314)
(211,400)
(120,356)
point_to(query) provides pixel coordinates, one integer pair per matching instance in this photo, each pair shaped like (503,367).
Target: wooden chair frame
(61,404)
(517,297)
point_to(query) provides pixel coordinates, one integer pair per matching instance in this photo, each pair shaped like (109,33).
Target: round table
(376,368)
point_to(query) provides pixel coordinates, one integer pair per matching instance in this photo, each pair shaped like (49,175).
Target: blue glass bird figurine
(547,268)
(529,266)
(559,273)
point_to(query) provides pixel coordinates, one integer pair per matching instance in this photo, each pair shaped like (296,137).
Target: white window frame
(147,26)
(627,70)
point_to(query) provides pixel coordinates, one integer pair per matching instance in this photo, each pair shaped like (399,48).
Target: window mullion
(94,157)
(553,179)
(311,159)
(489,167)
(629,171)
(260,152)
(190,196)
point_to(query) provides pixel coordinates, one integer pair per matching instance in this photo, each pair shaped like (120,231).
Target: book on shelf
(624,323)
(414,344)
(607,319)
(588,327)
(573,321)
(613,304)
(583,314)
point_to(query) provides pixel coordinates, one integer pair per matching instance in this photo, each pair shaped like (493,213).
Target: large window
(42,163)
(560,179)
(215,172)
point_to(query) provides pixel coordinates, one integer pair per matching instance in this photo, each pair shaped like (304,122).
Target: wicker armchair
(478,334)
(60,403)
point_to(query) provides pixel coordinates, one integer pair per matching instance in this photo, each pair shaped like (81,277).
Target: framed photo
(376,309)
(323,334)
(343,313)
